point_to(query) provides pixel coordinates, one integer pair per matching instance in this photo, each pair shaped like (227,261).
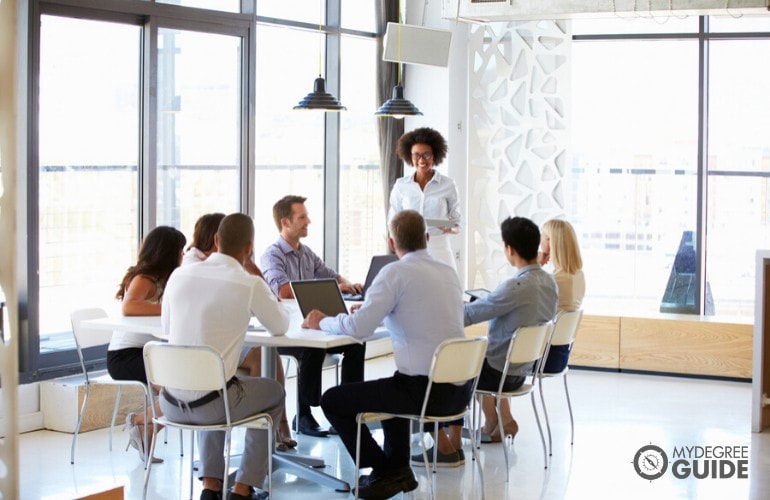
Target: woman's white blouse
(439,200)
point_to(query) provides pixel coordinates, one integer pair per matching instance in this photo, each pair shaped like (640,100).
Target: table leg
(304,466)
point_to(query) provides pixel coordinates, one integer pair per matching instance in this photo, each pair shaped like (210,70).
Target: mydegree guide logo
(700,462)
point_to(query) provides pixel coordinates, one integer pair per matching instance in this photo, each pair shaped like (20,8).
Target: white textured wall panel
(517,133)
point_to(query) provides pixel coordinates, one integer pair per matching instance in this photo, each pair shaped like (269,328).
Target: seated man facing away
(420,301)
(289,260)
(210,303)
(528,298)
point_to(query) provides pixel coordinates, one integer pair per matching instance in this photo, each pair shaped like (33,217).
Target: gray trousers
(252,395)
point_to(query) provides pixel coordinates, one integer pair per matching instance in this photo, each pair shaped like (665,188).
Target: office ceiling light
(319,98)
(398,106)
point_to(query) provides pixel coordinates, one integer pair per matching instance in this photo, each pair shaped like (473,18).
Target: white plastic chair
(86,337)
(199,368)
(454,361)
(528,345)
(564,333)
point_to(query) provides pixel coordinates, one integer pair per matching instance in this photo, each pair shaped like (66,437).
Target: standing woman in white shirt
(426,190)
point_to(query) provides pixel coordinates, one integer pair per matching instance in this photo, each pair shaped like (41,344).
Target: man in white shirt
(421,303)
(211,303)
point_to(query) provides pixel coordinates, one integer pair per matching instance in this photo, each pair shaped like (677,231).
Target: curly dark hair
(158,257)
(424,135)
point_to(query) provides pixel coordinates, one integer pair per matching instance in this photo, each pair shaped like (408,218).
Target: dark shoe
(449,460)
(256,494)
(376,486)
(211,495)
(309,427)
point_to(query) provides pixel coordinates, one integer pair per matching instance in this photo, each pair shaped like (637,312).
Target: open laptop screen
(322,294)
(378,262)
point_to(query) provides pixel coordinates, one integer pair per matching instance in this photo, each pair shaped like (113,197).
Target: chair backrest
(192,368)
(88,337)
(565,327)
(458,360)
(186,367)
(529,343)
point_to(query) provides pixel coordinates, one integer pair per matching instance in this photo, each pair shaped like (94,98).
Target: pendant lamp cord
(320,35)
(398,46)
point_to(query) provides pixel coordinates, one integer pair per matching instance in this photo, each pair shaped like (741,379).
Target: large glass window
(289,143)
(199,126)
(634,145)
(147,120)
(638,107)
(738,170)
(88,157)
(362,209)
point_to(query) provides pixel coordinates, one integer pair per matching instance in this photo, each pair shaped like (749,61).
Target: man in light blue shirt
(420,301)
(528,298)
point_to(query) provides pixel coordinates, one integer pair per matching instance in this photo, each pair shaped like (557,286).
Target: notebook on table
(377,263)
(321,294)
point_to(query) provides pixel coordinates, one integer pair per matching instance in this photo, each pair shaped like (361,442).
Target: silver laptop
(378,262)
(322,294)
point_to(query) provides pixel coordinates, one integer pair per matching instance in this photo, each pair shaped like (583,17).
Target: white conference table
(296,336)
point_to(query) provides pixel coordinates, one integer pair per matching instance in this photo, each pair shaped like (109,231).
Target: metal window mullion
(332,139)
(148,164)
(247,175)
(702,176)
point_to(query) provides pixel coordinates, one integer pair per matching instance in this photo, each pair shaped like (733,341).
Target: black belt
(208,398)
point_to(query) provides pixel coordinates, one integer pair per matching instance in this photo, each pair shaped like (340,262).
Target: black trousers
(311,362)
(397,394)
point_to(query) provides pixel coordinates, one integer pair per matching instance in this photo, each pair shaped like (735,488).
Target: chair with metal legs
(528,345)
(199,368)
(564,333)
(454,361)
(86,338)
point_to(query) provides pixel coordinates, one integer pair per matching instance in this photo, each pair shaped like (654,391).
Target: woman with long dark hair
(140,293)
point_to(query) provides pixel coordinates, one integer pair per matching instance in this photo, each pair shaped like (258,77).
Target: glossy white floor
(615,414)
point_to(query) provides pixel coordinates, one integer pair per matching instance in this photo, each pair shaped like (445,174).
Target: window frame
(150,16)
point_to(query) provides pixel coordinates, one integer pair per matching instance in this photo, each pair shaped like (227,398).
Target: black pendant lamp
(320,99)
(398,106)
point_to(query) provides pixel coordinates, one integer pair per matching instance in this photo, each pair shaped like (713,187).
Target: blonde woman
(558,245)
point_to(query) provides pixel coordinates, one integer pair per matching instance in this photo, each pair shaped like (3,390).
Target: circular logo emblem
(650,462)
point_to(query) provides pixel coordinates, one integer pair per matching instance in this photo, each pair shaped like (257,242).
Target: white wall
(503,104)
